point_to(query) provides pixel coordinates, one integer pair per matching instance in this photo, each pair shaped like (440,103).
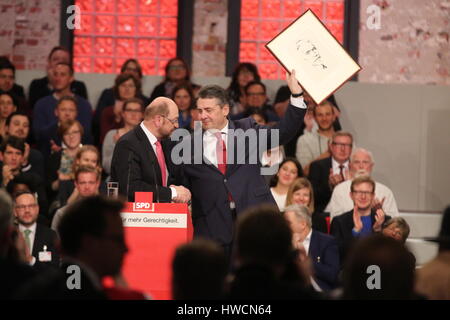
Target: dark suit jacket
(341,229)
(46,237)
(134,164)
(211,213)
(319,172)
(324,253)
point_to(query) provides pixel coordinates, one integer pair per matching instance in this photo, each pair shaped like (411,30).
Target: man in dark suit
(223,170)
(321,248)
(364,219)
(42,87)
(325,174)
(41,241)
(142,157)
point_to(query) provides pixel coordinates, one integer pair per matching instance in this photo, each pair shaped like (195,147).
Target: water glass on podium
(113,189)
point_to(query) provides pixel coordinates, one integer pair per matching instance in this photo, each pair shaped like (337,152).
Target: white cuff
(174,192)
(298,102)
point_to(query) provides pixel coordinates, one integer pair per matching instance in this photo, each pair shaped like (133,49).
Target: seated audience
(45,86)
(44,111)
(176,72)
(126,87)
(361,164)
(433,279)
(184,98)
(321,248)
(396,228)
(301,192)
(8,105)
(12,152)
(132,114)
(87,183)
(310,123)
(266,268)
(288,171)
(8,85)
(327,173)
(244,73)
(256,98)
(66,110)
(18,125)
(108,97)
(313,145)
(362,220)
(391,279)
(199,269)
(40,240)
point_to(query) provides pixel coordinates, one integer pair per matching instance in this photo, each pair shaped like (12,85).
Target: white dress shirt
(335,165)
(307,241)
(210,142)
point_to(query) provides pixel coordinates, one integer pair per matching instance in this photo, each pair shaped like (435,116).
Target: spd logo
(142,206)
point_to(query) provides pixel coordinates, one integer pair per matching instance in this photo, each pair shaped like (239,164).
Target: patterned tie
(221,153)
(161,162)
(341,171)
(27,233)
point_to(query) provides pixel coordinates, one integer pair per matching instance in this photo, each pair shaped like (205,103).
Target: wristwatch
(296,95)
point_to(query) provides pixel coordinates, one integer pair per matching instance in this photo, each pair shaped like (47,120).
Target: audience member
(361,164)
(87,183)
(44,111)
(288,171)
(8,85)
(40,88)
(379,268)
(8,105)
(184,98)
(177,72)
(301,193)
(433,279)
(12,152)
(310,123)
(396,228)
(244,73)
(126,87)
(256,98)
(41,241)
(363,220)
(132,114)
(49,140)
(18,125)
(313,145)
(199,269)
(267,266)
(325,174)
(142,157)
(321,248)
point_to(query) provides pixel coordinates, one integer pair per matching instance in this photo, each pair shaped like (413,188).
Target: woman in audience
(301,192)
(126,87)
(59,167)
(289,170)
(184,98)
(244,73)
(132,114)
(8,105)
(177,72)
(107,98)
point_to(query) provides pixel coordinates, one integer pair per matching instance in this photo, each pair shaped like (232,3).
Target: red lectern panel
(153,231)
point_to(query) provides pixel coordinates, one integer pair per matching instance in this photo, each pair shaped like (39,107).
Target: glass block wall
(261,20)
(114,30)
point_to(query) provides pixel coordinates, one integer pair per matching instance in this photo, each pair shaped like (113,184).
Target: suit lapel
(149,155)
(312,252)
(38,241)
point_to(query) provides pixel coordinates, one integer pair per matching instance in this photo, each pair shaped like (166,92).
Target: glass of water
(113,189)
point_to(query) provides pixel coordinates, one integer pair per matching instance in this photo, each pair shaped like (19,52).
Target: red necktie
(161,162)
(341,171)
(221,153)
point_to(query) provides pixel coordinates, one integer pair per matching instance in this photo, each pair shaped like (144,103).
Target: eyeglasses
(173,122)
(360,193)
(348,145)
(71,134)
(29,206)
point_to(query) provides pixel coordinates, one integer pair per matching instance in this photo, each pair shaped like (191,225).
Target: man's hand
(54,147)
(334,179)
(379,220)
(377,203)
(357,223)
(292,83)
(8,174)
(183,194)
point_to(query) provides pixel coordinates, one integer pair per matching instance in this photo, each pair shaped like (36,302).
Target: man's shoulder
(82,102)
(39,82)
(322,163)
(44,102)
(323,237)
(344,186)
(46,231)
(344,216)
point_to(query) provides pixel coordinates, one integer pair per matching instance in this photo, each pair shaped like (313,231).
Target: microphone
(128,176)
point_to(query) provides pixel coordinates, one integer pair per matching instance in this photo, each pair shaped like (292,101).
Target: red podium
(153,231)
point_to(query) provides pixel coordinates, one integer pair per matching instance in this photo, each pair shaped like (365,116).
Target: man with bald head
(141,160)
(361,164)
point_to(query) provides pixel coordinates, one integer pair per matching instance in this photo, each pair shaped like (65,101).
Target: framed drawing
(320,62)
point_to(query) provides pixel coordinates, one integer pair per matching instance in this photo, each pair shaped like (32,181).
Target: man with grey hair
(361,164)
(320,247)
